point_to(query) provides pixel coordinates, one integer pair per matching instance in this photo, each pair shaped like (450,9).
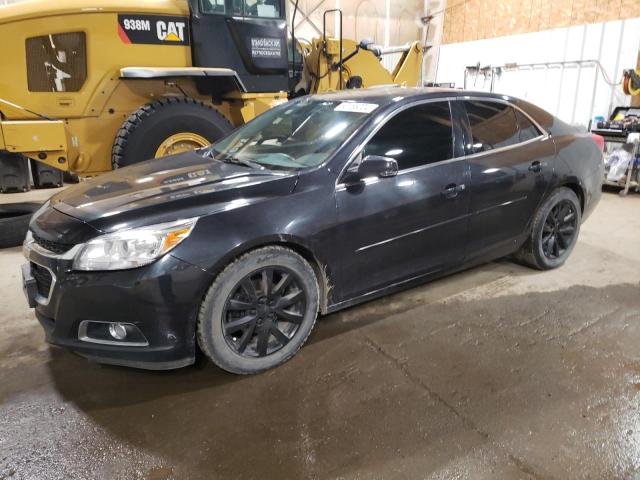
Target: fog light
(117,331)
(111,333)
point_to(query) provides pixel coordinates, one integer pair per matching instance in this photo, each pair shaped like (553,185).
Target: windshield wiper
(211,152)
(242,161)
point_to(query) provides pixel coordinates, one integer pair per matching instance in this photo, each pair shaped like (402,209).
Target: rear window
(493,125)
(57,63)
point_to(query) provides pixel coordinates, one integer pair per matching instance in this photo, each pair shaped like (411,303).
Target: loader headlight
(132,248)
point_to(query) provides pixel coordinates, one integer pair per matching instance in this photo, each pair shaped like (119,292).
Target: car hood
(169,188)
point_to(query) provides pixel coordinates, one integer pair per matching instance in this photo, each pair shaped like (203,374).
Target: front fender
(299,245)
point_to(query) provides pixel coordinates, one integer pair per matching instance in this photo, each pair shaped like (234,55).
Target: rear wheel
(259,311)
(555,230)
(166,127)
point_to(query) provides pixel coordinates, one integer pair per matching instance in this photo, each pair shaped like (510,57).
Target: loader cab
(247,36)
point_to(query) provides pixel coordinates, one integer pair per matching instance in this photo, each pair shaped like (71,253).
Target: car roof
(388,94)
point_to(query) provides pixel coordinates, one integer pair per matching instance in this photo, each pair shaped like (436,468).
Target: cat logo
(170,31)
(154,29)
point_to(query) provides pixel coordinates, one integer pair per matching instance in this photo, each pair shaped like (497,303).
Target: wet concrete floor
(497,372)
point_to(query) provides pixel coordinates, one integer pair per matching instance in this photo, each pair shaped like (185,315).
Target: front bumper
(161,300)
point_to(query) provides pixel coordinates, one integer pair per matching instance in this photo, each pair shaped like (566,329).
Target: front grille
(43,279)
(54,247)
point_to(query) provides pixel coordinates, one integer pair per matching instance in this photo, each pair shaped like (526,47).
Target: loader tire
(150,131)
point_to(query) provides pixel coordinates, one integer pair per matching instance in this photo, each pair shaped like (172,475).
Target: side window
(493,125)
(262,8)
(527,129)
(417,136)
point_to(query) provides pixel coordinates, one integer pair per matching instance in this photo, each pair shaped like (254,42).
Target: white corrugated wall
(573,92)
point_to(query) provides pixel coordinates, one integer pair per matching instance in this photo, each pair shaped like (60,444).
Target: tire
(69,177)
(533,251)
(220,308)
(146,129)
(14,222)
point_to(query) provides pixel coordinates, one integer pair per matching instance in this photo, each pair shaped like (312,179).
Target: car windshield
(296,135)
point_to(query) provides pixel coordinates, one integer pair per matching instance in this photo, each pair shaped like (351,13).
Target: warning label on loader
(154,29)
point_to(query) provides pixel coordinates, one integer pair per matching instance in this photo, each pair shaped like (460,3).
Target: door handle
(452,190)
(535,167)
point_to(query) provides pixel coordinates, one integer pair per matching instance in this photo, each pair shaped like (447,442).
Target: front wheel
(554,232)
(259,311)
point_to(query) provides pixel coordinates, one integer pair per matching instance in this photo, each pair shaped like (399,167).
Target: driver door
(394,229)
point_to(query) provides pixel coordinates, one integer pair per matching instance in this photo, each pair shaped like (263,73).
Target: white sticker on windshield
(356,107)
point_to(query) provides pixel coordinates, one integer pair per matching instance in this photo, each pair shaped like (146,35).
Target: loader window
(213,6)
(262,8)
(57,63)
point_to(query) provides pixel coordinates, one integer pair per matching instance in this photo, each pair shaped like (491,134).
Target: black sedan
(319,204)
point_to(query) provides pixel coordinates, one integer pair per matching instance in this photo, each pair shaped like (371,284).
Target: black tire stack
(14,222)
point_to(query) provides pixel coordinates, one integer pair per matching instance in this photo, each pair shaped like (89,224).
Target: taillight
(599,139)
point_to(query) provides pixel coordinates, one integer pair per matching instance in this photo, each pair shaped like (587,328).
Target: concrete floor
(497,372)
(34,195)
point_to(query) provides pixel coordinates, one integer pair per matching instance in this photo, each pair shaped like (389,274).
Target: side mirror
(373,166)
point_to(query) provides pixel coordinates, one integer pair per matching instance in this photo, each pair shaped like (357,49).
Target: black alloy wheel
(554,231)
(264,311)
(259,311)
(559,229)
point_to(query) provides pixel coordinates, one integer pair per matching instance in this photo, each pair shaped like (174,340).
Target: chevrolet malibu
(319,204)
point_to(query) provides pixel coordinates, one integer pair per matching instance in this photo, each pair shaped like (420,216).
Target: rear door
(392,229)
(510,161)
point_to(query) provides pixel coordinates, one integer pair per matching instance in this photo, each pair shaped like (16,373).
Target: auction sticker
(356,107)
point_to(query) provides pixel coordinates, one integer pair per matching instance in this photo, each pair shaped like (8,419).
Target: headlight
(132,248)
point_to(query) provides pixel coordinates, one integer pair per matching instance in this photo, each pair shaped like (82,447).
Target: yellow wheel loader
(91,85)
